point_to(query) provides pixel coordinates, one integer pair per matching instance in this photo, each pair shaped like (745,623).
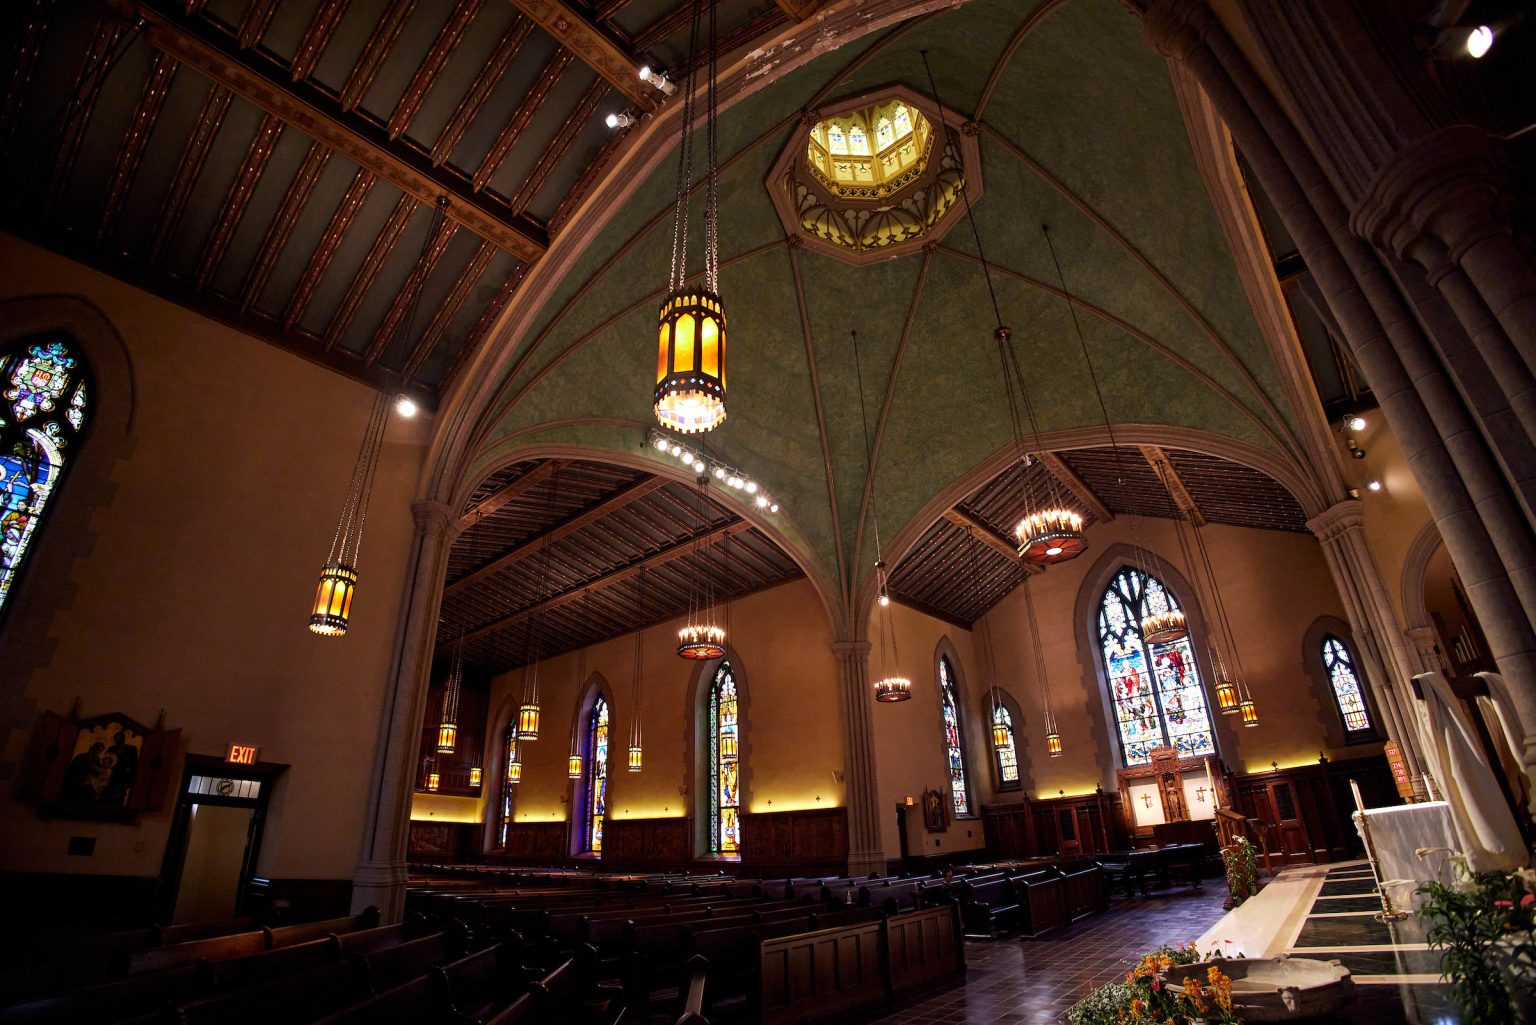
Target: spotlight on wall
(1355,449)
(619,120)
(405,406)
(658,79)
(1458,41)
(1374,485)
(1355,423)
(1479,41)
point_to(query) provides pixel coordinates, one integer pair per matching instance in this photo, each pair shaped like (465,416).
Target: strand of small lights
(703,463)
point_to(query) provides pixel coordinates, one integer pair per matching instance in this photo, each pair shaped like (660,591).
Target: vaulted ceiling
(1080,129)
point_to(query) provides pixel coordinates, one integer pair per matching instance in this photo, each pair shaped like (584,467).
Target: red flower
(1528,900)
(1503,904)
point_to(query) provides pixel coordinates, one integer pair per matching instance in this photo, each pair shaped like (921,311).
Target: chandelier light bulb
(1374,485)
(762,501)
(1357,423)
(700,643)
(674,449)
(1164,627)
(774,507)
(751,487)
(1051,536)
(719,473)
(1479,42)
(698,466)
(885,599)
(405,406)
(660,443)
(893,688)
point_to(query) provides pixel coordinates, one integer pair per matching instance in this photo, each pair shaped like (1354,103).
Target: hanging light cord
(347,542)
(989,661)
(1040,670)
(869,449)
(634,720)
(1195,572)
(1221,611)
(531,646)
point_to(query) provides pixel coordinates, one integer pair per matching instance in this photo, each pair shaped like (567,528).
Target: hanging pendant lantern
(1050,536)
(448,725)
(634,719)
(1164,627)
(690,362)
(515,763)
(728,747)
(474,776)
(1226,696)
(573,767)
(1001,736)
(634,758)
(1053,744)
(332,609)
(1250,712)
(528,722)
(701,643)
(434,780)
(893,688)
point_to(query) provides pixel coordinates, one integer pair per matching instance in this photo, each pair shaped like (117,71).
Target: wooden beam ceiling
(557,532)
(1163,467)
(680,549)
(260,80)
(986,534)
(527,482)
(1075,484)
(593,47)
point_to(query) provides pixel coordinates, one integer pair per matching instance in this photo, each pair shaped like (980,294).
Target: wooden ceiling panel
(133,227)
(205,202)
(276,181)
(1123,479)
(1228,493)
(567,549)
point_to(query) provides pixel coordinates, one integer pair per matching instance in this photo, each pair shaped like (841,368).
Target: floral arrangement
(1242,864)
(1145,998)
(1485,922)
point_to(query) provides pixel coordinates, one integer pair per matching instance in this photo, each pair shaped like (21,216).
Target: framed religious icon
(935,812)
(105,767)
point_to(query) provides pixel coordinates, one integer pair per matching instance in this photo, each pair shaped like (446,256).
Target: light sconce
(619,120)
(657,79)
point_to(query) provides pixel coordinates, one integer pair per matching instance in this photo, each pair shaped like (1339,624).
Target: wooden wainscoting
(1080,825)
(546,843)
(813,841)
(645,842)
(1305,809)
(446,841)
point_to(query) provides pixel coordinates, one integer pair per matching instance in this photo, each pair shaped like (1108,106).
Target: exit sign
(240,754)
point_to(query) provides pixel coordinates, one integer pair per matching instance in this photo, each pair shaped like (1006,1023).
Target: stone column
(865,855)
(1474,514)
(1424,641)
(381,871)
(1388,665)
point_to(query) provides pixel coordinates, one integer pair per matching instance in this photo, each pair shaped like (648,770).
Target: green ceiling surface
(1084,98)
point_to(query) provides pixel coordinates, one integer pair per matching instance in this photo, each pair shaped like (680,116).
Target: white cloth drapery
(1485,830)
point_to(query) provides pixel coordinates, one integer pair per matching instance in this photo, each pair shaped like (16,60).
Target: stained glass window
(1007,755)
(1340,667)
(507,784)
(953,753)
(42,418)
(1156,688)
(597,774)
(837,142)
(903,122)
(724,764)
(858,142)
(885,135)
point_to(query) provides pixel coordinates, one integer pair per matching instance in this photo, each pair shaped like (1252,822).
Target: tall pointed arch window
(596,803)
(954,753)
(1339,665)
(724,764)
(44,407)
(1156,688)
(1007,754)
(508,773)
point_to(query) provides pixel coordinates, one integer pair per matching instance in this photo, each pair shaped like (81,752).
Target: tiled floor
(1023,982)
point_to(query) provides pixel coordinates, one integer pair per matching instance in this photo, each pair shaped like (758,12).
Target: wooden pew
(1042,900)
(475,988)
(110,1001)
(693,992)
(235,973)
(988,908)
(1087,891)
(406,1004)
(291,1000)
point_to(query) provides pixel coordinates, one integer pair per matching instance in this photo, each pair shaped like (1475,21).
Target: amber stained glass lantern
(528,722)
(690,361)
(573,767)
(333,600)
(634,759)
(447,737)
(1226,696)
(1053,744)
(434,780)
(1001,736)
(1250,712)
(474,776)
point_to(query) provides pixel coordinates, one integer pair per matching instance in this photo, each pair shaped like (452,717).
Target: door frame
(175,859)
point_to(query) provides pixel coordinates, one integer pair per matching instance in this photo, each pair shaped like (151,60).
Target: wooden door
(1068,835)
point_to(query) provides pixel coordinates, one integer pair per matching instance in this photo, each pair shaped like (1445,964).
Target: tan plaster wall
(195,596)
(1394,515)
(792,733)
(909,735)
(1275,586)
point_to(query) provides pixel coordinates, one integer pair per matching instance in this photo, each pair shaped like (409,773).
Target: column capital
(851,651)
(433,517)
(1447,183)
(1337,519)
(1173,28)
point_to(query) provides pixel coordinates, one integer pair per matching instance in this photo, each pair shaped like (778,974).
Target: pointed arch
(1346,710)
(710,772)
(1186,662)
(592,726)
(1010,715)
(950,689)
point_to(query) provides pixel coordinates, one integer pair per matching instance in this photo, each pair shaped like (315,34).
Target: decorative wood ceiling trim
(485,83)
(1029,24)
(407,297)
(664,27)
(556,150)
(255,23)
(1164,468)
(1075,484)
(322,28)
(585,180)
(800,11)
(686,546)
(27,54)
(362,282)
(76,117)
(287,218)
(463,283)
(194,153)
(375,52)
(157,86)
(590,43)
(608,8)
(821,417)
(238,198)
(986,535)
(548,76)
(432,65)
(482,326)
(330,240)
(558,532)
(259,80)
(513,491)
